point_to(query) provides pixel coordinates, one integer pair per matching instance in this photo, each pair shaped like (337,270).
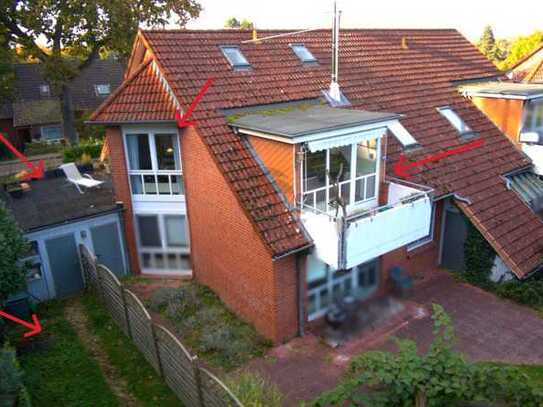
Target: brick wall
(122,191)
(228,254)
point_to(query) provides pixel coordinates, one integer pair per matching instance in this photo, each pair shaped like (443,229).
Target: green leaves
(13,247)
(442,377)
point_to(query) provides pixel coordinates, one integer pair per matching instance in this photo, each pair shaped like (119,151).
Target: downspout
(300,294)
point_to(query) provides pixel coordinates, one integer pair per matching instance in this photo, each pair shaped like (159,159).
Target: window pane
(146,260)
(159,261)
(340,162)
(163,185)
(366,158)
(139,155)
(370,193)
(177,185)
(176,233)
(148,231)
(234,56)
(359,193)
(137,186)
(315,170)
(173,261)
(303,53)
(166,152)
(51,133)
(321,200)
(346,191)
(149,183)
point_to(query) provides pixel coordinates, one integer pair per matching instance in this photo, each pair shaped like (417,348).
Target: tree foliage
(84,28)
(244,24)
(493,49)
(12,248)
(522,47)
(478,258)
(441,377)
(7,74)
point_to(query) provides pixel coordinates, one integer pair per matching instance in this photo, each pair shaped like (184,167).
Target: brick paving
(488,328)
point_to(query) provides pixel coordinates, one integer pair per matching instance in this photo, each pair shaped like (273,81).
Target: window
(429,237)
(403,135)
(235,57)
(303,53)
(533,121)
(102,89)
(455,120)
(154,165)
(51,133)
(45,90)
(163,242)
(353,167)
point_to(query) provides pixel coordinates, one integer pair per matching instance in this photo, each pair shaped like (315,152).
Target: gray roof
(29,77)
(304,119)
(54,201)
(525,90)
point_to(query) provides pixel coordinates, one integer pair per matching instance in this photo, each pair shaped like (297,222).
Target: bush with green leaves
(478,258)
(11,377)
(13,247)
(441,377)
(252,390)
(91,147)
(162,297)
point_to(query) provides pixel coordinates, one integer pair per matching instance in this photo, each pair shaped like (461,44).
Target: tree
(7,74)
(442,377)
(487,43)
(244,24)
(85,28)
(522,47)
(13,247)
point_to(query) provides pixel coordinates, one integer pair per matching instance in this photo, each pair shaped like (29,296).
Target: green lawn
(144,384)
(58,369)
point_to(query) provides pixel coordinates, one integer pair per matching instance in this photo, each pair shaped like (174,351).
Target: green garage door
(64,263)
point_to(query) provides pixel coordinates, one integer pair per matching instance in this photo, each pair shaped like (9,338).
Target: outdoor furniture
(403,283)
(74,176)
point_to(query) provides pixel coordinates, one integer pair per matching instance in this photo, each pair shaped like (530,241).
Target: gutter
(74,220)
(114,123)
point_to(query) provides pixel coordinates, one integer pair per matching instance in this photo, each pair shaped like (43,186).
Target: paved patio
(488,328)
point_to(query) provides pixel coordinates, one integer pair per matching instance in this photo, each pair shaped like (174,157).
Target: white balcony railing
(343,243)
(151,184)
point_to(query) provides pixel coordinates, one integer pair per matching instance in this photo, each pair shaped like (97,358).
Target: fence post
(126,316)
(157,351)
(198,380)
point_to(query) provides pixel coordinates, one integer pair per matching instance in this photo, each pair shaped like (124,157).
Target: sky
(468,16)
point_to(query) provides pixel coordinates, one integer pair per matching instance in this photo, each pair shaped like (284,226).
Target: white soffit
(401,133)
(347,139)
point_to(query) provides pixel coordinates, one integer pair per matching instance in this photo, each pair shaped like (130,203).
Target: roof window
(455,120)
(45,90)
(103,89)
(403,136)
(303,53)
(236,58)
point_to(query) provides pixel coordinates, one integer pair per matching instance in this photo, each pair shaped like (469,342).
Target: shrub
(11,377)
(42,147)
(91,147)
(478,258)
(161,297)
(253,390)
(524,292)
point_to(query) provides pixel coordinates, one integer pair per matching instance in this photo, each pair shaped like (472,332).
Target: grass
(143,382)
(208,328)
(58,369)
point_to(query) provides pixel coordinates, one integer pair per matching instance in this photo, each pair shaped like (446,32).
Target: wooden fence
(193,384)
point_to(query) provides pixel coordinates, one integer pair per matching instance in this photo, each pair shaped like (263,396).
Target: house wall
(279,158)
(119,176)
(506,114)
(228,255)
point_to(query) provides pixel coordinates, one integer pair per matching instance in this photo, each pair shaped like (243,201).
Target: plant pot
(8,400)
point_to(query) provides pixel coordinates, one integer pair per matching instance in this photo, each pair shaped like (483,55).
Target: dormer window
(303,53)
(45,90)
(102,89)
(455,120)
(236,58)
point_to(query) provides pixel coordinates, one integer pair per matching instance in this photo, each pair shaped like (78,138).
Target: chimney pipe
(334,84)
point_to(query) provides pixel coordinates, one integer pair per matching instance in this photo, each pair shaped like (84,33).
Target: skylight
(403,135)
(455,120)
(303,53)
(234,55)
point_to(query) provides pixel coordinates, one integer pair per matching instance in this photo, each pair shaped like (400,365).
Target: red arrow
(36,172)
(183,121)
(402,166)
(35,328)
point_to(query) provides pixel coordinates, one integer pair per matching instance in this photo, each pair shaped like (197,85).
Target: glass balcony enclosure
(154,165)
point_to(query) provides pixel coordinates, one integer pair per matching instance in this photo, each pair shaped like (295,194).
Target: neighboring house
(515,105)
(35,113)
(242,199)
(56,218)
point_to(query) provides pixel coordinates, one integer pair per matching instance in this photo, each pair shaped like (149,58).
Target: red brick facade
(119,176)
(227,253)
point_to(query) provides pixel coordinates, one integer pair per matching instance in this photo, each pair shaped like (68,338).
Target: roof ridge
(236,30)
(534,72)
(117,91)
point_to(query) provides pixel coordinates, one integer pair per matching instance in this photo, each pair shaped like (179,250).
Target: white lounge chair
(74,176)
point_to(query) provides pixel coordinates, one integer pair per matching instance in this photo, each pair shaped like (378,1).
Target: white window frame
(151,132)
(428,238)
(366,203)
(164,249)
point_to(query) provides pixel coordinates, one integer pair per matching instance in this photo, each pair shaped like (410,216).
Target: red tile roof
(530,68)
(141,97)
(378,74)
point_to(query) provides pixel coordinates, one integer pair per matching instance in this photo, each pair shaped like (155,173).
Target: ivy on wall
(478,258)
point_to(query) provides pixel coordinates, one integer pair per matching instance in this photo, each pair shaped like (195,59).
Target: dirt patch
(76,316)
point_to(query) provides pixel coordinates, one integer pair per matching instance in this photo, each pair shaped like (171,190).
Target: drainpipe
(300,294)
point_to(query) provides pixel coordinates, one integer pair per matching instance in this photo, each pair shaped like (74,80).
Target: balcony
(363,235)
